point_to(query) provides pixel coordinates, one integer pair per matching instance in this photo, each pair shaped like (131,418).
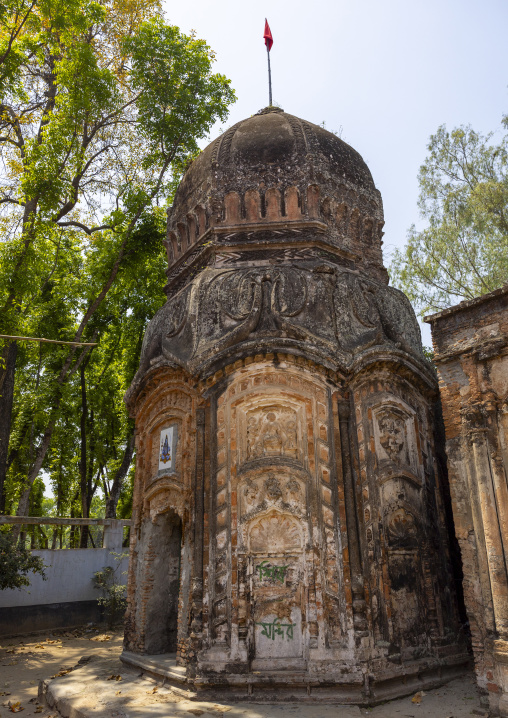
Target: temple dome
(276,137)
(272,172)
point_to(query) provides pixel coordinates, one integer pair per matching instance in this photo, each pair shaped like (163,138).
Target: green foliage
(16,562)
(101,108)
(113,598)
(463,250)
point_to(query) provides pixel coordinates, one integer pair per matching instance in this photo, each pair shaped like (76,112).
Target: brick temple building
(471,353)
(290,536)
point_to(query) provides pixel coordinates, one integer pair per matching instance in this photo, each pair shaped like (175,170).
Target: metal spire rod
(269,78)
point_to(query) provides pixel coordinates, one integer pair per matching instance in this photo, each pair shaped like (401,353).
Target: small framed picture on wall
(167,448)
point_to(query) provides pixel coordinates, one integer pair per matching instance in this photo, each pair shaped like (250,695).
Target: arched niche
(161,544)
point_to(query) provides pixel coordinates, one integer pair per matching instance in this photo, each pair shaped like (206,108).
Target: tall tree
(101,105)
(463,250)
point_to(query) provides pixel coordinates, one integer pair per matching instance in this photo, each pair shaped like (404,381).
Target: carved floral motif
(401,529)
(276,533)
(251,494)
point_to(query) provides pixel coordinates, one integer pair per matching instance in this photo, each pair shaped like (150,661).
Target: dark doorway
(162,605)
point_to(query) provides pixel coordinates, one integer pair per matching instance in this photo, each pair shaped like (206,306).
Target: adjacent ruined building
(290,537)
(471,345)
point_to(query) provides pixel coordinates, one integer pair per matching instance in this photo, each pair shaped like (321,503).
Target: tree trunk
(6,417)
(82,463)
(112,501)
(24,500)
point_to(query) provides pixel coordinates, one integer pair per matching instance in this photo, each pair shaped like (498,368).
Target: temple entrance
(164,543)
(276,570)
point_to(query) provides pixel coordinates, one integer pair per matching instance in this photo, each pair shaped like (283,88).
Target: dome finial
(270,108)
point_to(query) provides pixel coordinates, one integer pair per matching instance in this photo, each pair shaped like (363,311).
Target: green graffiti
(276,628)
(278,573)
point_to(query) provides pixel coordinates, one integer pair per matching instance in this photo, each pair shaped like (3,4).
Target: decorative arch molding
(274,533)
(165,496)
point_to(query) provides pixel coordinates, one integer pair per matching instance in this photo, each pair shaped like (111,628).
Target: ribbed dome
(277,137)
(283,148)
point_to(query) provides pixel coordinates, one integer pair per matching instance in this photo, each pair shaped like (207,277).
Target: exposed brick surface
(471,345)
(314,550)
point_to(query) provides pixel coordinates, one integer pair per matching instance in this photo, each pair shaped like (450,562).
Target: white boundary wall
(69,577)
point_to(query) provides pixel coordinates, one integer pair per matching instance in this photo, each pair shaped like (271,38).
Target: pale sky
(385,73)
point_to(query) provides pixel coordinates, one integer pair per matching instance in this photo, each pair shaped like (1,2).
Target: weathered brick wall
(314,557)
(471,352)
(162,535)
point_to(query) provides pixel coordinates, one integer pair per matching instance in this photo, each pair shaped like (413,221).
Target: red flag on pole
(268,36)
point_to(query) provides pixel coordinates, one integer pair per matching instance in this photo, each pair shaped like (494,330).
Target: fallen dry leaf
(154,690)
(39,709)
(118,693)
(62,672)
(4,693)
(114,678)
(39,645)
(11,650)
(101,638)
(16,707)
(417,698)
(195,711)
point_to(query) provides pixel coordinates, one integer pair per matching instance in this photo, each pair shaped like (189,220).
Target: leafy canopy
(101,105)
(463,250)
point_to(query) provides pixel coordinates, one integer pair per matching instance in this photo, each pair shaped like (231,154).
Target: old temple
(292,521)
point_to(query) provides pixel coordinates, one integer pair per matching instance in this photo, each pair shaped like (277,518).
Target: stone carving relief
(272,431)
(336,311)
(392,436)
(395,437)
(396,490)
(275,533)
(250,495)
(401,529)
(165,497)
(272,489)
(294,489)
(261,492)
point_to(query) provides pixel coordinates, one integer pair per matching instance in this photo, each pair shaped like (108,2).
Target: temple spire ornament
(267,35)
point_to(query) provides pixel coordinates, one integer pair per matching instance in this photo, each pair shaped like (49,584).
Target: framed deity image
(167,448)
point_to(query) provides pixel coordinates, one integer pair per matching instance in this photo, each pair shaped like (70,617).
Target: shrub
(113,599)
(15,562)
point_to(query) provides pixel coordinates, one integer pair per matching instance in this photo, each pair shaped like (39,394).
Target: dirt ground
(24,662)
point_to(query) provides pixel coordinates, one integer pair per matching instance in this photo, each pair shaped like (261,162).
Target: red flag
(268,36)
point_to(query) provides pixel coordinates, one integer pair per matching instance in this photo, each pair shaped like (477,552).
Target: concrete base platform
(339,686)
(94,691)
(106,688)
(162,666)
